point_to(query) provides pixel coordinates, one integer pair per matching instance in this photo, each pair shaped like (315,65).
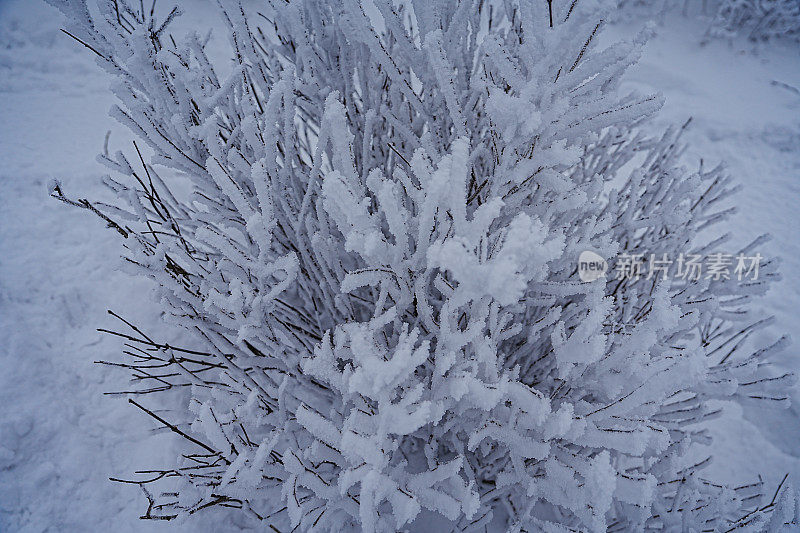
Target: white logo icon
(591,266)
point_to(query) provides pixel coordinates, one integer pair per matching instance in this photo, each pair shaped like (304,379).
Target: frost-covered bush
(376,254)
(759,20)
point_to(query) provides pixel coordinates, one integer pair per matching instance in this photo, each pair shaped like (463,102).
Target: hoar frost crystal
(376,259)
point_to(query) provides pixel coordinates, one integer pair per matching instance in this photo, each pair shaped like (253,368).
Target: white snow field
(61,438)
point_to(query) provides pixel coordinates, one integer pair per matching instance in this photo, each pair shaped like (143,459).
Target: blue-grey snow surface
(61,438)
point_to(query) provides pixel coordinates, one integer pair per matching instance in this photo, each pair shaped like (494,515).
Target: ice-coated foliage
(370,225)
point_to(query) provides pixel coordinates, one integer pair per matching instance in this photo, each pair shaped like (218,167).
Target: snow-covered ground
(61,438)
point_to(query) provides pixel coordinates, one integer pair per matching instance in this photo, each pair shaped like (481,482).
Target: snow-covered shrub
(376,253)
(759,20)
